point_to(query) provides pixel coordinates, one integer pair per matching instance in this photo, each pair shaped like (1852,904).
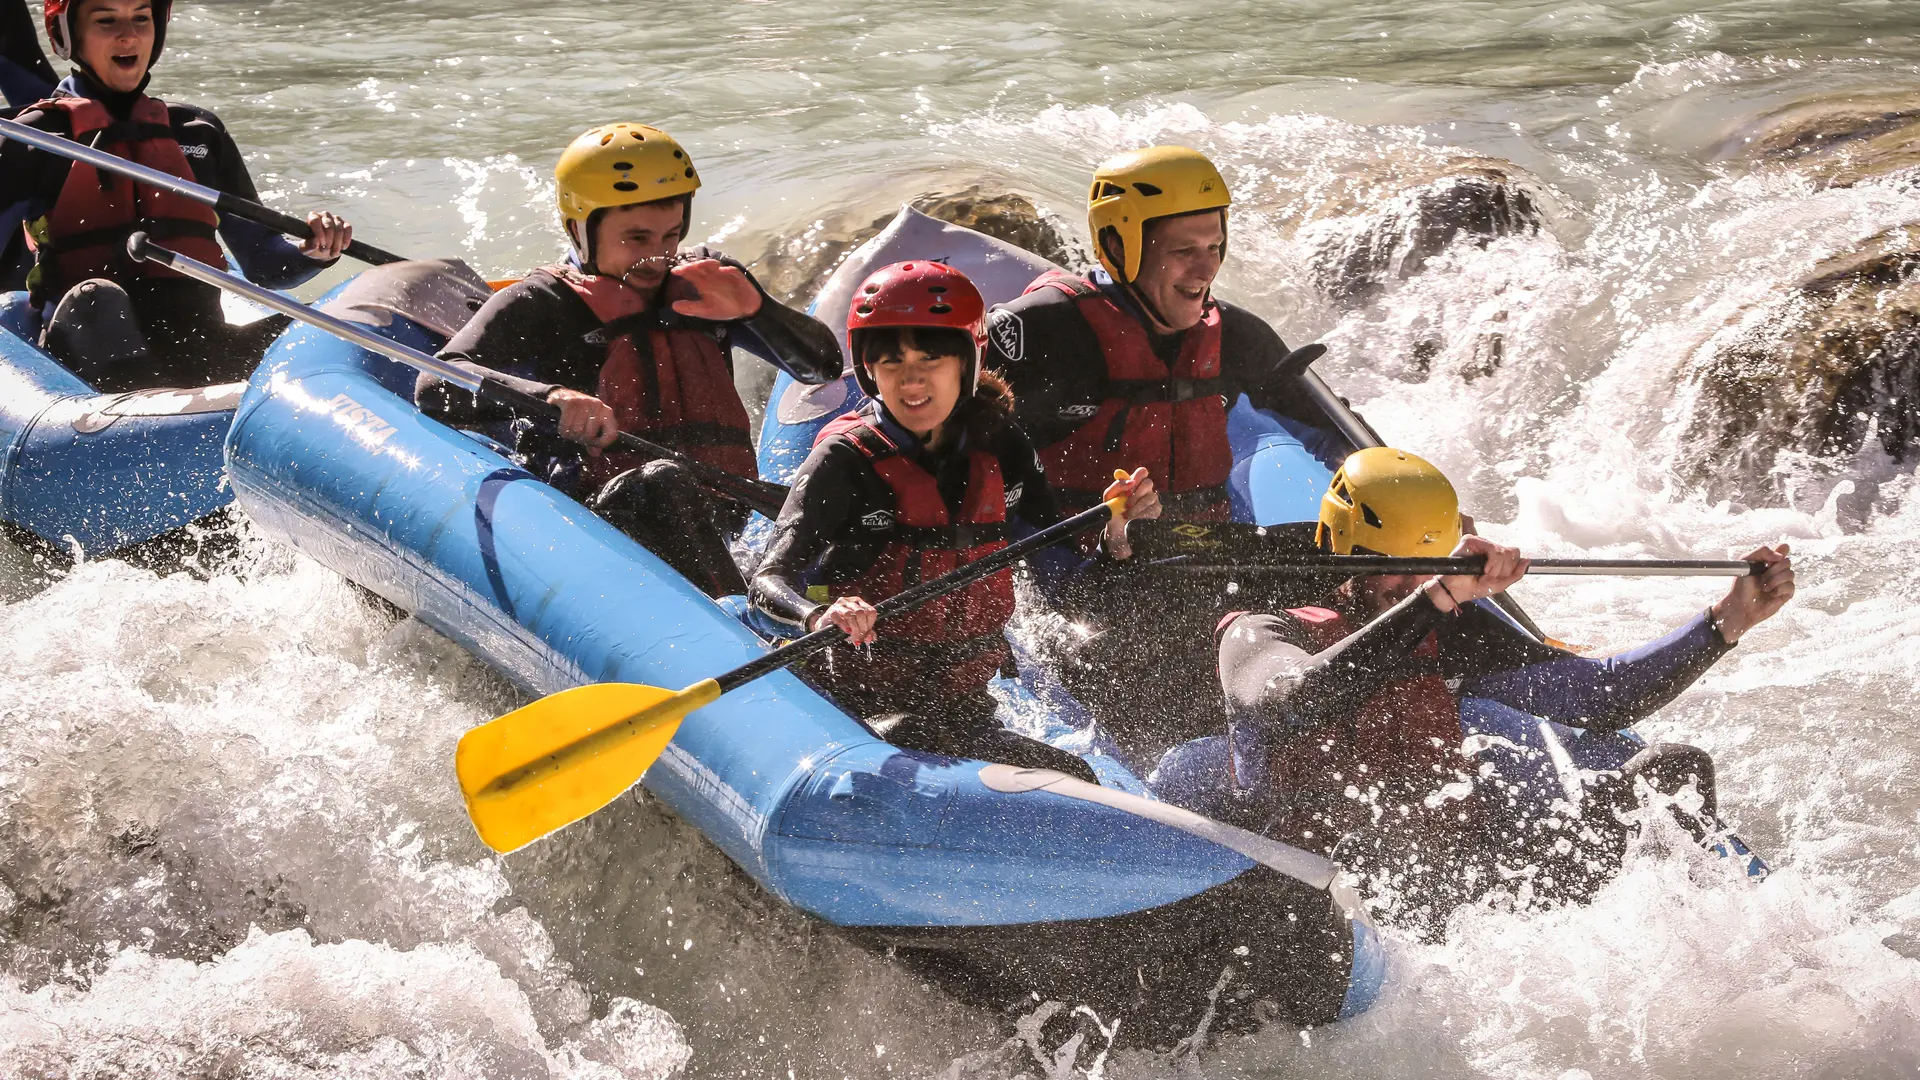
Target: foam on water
(233,847)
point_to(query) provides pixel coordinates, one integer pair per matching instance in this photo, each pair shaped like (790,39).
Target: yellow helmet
(619,165)
(1391,503)
(1140,185)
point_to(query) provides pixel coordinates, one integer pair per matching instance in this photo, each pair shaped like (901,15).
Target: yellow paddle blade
(559,759)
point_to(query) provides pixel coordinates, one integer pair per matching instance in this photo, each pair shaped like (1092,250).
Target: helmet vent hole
(940,309)
(623,166)
(1371,518)
(607,138)
(1109,189)
(1146,189)
(689,172)
(864,309)
(625,185)
(679,154)
(936,289)
(872,288)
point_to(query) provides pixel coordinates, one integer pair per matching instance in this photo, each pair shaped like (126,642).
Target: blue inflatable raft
(86,473)
(1029,882)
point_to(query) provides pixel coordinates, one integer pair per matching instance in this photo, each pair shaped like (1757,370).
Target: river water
(230,844)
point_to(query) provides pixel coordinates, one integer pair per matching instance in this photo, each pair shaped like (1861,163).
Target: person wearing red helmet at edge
(1138,363)
(928,475)
(114,322)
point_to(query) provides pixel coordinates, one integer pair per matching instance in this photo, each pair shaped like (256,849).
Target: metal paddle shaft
(219,200)
(1474,565)
(799,648)
(757,494)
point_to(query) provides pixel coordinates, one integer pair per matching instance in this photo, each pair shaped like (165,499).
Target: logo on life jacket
(1079,412)
(1014,493)
(878,519)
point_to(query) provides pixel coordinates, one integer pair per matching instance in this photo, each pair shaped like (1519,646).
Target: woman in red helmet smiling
(118,323)
(928,475)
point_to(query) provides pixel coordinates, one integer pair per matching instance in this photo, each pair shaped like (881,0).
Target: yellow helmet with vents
(1140,185)
(1389,502)
(619,165)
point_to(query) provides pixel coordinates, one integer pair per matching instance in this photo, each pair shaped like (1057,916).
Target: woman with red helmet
(118,323)
(928,475)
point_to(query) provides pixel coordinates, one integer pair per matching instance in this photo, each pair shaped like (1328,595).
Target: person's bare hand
(331,235)
(1504,568)
(1756,598)
(722,293)
(585,419)
(852,615)
(1143,504)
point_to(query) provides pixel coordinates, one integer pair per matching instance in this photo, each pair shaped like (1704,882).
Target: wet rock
(1414,215)
(1826,371)
(793,269)
(1837,140)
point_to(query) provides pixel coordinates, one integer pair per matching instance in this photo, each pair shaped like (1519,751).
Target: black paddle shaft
(801,648)
(183,187)
(1473,565)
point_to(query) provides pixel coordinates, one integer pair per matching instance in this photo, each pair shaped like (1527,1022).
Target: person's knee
(1671,768)
(94,328)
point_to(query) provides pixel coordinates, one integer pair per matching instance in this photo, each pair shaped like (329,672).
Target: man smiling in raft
(1138,364)
(119,324)
(629,334)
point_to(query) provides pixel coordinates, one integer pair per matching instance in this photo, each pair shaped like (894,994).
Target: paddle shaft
(1474,565)
(800,648)
(757,494)
(219,200)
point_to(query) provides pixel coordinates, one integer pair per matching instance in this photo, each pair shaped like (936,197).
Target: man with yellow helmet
(1345,721)
(631,334)
(1137,364)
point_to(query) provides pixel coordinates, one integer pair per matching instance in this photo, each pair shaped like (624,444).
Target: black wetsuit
(538,335)
(1292,702)
(1049,355)
(190,341)
(840,516)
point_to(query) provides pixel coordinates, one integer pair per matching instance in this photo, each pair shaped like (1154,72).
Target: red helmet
(918,294)
(60,27)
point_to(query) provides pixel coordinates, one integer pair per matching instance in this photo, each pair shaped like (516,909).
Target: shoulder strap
(1070,284)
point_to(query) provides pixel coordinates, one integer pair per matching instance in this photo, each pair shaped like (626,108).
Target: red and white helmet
(60,26)
(918,294)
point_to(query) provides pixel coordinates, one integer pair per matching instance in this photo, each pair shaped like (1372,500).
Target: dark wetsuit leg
(660,506)
(1161,632)
(968,727)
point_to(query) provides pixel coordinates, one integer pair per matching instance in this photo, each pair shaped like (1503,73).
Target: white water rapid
(230,841)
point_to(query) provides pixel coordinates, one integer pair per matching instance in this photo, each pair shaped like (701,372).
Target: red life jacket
(1396,751)
(962,632)
(1174,422)
(677,391)
(85,234)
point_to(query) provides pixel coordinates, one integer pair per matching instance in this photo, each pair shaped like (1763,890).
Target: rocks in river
(1837,140)
(795,267)
(1391,231)
(1831,364)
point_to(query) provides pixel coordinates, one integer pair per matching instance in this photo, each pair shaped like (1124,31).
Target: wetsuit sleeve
(817,510)
(265,256)
(504,338)
(1271,678)
(1050,358)
(25,74)
(1604,694)
(793,341)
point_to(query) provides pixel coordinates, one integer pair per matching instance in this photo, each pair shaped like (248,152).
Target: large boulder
(1371,235)
(794,267)
(1815,374)
(1837,140)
